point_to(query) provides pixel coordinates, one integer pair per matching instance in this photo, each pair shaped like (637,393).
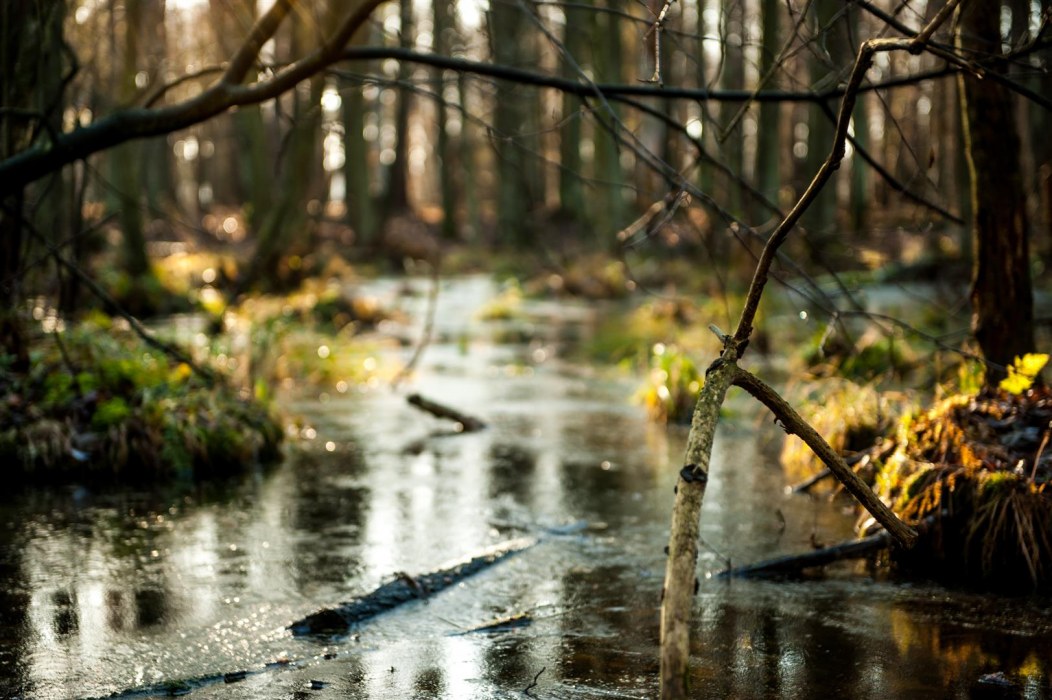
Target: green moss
(109,413)
(125,412)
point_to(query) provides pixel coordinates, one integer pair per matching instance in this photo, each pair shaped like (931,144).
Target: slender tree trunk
(768,143)
(127,158)
(398,176)
(1040,127)
(159,180)
(576,40)
(609,210)
(361,211)
(860,191)
(506,23)
(286,221)
(820,219)
(468,167)
(1002,298)
(443,23)
(733,78)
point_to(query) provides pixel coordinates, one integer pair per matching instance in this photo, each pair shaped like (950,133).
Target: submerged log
(469,423)
(796,563)
(403,589)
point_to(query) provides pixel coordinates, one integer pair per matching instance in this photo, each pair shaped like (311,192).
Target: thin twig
(429,327)
(533,683)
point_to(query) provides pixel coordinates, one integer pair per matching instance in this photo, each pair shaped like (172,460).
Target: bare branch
(794,424)
(128,124)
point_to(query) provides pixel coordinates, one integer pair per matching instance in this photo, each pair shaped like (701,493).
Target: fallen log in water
(468,423)
(794,564)
(339,620)
(404,588)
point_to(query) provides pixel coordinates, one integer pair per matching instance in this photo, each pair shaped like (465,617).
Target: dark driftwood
(403,589)
(339,620)
(470,423)
(795,563)
(852,549)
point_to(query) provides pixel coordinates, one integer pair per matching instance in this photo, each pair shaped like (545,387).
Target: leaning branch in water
(794,424)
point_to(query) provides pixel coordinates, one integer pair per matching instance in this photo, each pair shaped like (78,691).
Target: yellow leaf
(180,373)
(1030,364)
(1016,383)
(1023,371)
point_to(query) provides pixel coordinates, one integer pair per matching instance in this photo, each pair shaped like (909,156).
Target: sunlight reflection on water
(108,590)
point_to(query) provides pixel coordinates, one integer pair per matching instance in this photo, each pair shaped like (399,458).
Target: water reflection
(104,591)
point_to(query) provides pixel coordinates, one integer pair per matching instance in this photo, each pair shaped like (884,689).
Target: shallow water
(103,591)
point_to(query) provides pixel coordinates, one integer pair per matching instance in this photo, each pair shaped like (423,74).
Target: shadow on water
(106,591)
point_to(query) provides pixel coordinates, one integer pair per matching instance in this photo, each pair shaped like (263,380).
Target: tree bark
(397,200)
(1001,296)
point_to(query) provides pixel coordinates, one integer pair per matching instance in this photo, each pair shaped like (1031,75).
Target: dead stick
(852,549)
(469,423)
(795,563)
(805,485)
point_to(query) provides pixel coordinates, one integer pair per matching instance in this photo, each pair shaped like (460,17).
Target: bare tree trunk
(768,143)
(286,219)
(820,219)
(397,200)
(444,25)
(733,78)
(609,211)
(358,168)
(511,122)
(1002,297)
(571,191)
(126,158)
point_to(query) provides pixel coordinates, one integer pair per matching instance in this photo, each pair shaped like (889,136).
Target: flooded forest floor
(111,590)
